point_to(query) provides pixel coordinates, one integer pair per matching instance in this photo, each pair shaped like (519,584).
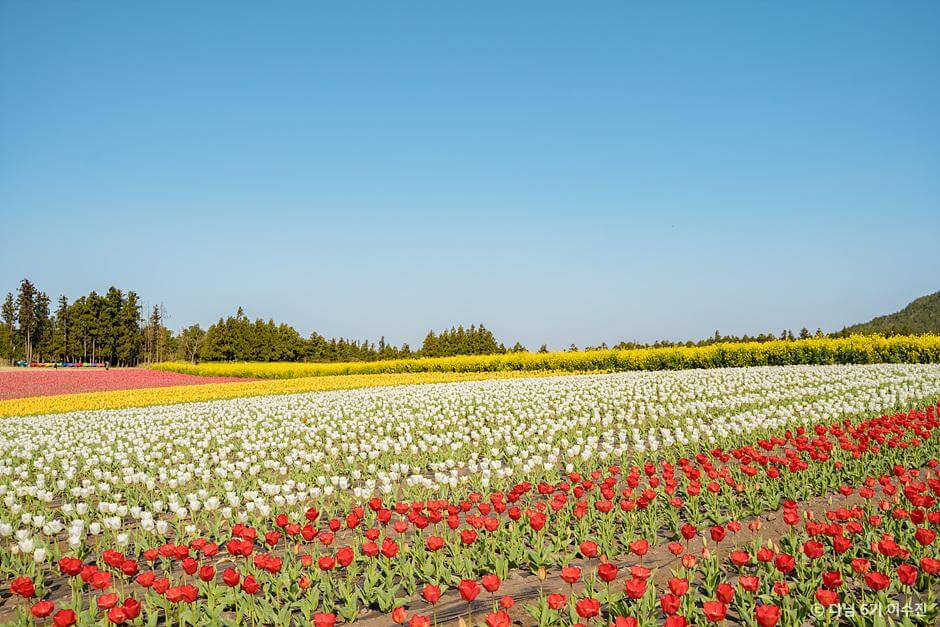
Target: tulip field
(761,496)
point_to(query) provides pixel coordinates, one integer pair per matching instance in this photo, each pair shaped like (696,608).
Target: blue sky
(562,173)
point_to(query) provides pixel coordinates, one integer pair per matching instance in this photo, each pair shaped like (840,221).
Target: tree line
(237,338)
(112,327)
(93,328)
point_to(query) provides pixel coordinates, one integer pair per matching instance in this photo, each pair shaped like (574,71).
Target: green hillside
(921,316)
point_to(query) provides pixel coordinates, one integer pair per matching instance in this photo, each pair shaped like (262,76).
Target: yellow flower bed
(858,349)
(116,399)
(286,378)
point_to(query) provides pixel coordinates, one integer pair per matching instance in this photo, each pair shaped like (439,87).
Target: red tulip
(107,601)
(250,585)
(189,565)
(714,611)
(389,548)
(587,607)
(925,536)
(431,593)
(607,572)
(739,558)
(767,615)
(70,566)
(639,547)
(930,565)
(345,556)
(497,619)
(324,620)
(784,563)
(749,583)
(877,581)
(42,609)
(907,574)
(64,618)
(860,565)
(635,588)
(570,574)
(826,597)
(813,549)
(468,589)
(131,607)
(678,586)
(832,579)
(841,544)
(724,593)
(207,573)
(369,549)
(490,583)
(101,580)
(23,586)
(556,601)
(669,604)
(231,577)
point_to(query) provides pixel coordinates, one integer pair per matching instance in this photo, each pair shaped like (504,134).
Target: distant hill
(921,316)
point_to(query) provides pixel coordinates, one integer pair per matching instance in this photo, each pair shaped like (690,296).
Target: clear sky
(561,172)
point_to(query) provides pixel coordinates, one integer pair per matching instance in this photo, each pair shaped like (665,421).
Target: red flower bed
(48,382)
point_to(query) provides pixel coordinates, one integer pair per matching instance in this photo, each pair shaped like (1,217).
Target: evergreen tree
(8,315)
(129,336)
(62,330)
(42,339)
(26,316)
(110,323)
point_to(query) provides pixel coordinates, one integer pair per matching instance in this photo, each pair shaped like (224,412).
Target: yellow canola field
(116,399)
(857,349)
